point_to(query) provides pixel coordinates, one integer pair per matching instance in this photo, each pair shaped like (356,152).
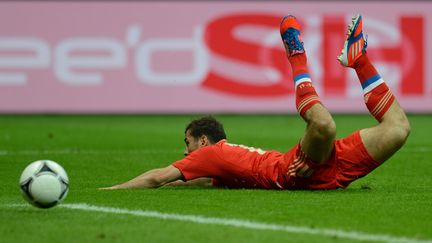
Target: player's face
(192,143)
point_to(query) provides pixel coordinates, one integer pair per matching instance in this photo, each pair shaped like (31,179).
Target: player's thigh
(380,142)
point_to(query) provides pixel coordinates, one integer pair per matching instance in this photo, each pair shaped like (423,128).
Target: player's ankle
(299,58)
(361,61)
(298,63)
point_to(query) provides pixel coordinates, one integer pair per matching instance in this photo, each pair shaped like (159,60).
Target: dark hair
(208,126)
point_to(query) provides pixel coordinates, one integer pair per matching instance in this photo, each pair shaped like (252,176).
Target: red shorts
(349,162)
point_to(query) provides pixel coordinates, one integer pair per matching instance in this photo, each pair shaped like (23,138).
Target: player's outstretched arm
(150,179)
(203,181)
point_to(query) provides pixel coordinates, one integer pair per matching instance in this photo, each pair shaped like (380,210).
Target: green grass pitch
(394,200)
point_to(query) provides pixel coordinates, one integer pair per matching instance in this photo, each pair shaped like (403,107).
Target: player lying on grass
(319,161)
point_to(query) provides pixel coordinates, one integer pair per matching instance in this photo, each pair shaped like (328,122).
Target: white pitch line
(352,235)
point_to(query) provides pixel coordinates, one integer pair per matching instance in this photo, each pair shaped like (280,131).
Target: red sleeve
(200,163)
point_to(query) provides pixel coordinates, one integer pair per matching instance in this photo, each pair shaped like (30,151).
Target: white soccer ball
(44,183)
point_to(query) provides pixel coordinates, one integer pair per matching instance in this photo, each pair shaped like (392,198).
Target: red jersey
(233,166)
(239,166)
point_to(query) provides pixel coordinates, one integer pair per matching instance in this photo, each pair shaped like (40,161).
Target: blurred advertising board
(201,57)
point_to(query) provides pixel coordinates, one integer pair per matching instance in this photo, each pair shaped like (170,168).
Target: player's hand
(108,188)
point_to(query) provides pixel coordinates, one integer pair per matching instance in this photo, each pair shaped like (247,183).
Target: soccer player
(319,161)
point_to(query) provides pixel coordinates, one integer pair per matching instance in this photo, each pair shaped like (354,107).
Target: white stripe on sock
(373,85)
(302,80)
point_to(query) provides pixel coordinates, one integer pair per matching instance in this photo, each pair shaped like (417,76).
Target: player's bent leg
(318,140)
(385,139)
(317,143)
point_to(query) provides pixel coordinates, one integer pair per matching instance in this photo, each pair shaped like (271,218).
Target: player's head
(203,132)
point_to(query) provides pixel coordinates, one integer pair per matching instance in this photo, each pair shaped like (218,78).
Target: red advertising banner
(189,57)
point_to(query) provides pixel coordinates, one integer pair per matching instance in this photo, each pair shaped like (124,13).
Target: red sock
(377,95)
(298,64)
(306,95)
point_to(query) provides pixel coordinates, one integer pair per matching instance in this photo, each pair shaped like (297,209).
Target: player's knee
(404,130)
(398,133)
(399,136)
(406,126)
(400,129)
(324,128)
(397,124)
